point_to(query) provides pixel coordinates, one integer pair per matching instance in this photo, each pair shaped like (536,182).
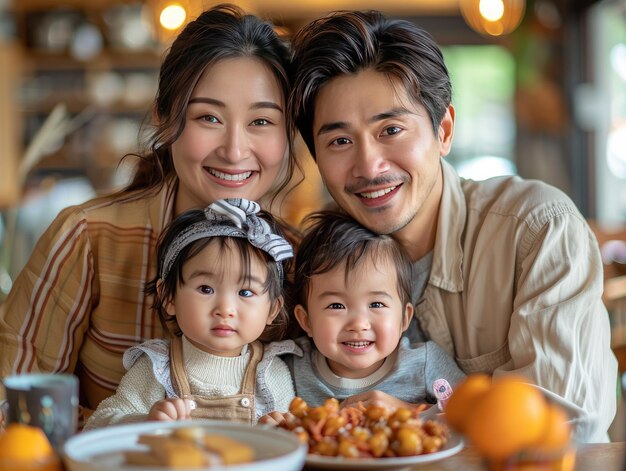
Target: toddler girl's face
(355,323)
(217,309)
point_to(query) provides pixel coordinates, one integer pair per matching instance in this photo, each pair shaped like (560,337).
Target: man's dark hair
(335,239)
(347,42)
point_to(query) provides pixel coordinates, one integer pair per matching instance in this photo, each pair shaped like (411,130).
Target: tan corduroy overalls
(235,408)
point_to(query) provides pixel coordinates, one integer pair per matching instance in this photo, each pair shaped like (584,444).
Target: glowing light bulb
(172,17)
(491,10)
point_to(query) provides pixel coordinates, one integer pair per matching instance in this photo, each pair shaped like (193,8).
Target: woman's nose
(235,146)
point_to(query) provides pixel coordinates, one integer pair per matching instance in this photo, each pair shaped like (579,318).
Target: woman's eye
(391,130)
(205,289)
(246,293)
(209,118)
(377,305)
(260,122)
(335,306)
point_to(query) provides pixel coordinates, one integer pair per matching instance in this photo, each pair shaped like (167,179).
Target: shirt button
(245,402)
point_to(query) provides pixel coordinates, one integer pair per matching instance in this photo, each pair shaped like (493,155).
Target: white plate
(103,449)
(452,447)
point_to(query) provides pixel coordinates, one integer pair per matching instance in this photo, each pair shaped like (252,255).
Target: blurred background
(539,88)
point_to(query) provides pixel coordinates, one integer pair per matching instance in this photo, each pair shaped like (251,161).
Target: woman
(220,132)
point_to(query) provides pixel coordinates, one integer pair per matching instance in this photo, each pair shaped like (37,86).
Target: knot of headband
(231,217)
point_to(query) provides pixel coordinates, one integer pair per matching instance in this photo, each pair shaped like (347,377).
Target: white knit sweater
(209,375)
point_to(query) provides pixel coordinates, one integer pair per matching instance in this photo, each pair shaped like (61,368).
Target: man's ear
(277,305)
(303,319)
(446,132)
(407,316)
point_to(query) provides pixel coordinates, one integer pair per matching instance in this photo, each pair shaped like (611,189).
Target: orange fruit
(557,431)
(508,418)
(463,399)
(26,448)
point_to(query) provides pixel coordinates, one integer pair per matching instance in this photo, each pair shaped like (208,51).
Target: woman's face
(235,136)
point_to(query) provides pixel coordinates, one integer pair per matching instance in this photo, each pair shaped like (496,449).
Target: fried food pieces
(189,447)
(364,432)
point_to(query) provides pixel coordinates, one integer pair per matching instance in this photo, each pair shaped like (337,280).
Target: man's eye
(335,306)
(377,305)
(391,130)
(205,289)
(246,293)
(341,141)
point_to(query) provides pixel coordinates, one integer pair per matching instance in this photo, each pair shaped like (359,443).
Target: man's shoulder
(516,197)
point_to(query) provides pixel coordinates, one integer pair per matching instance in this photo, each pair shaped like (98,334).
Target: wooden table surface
(589,457)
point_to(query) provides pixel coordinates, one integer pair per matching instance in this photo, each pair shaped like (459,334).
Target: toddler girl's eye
(335,306)
(205,289)
(376,304)
(246,293)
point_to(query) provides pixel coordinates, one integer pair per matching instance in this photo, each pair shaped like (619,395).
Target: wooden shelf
(50,77)
(35,60)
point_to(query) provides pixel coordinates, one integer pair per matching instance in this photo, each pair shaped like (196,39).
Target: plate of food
(452,447)
(191,445)
(369,438)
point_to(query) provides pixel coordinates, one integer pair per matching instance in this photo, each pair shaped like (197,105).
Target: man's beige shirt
(516,286)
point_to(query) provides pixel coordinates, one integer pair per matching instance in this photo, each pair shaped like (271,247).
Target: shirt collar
(447,267)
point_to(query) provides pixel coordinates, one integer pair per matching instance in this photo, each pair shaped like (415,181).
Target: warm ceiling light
(493,17)
(172,17)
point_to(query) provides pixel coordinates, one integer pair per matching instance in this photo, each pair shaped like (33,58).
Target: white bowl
(103,449)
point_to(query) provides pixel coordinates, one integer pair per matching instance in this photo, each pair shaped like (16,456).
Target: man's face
(377,152)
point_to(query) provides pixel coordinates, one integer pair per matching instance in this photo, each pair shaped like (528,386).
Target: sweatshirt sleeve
(136,394)
(280,384)
(440,365)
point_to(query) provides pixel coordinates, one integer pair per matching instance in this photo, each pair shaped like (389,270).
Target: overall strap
(248,385)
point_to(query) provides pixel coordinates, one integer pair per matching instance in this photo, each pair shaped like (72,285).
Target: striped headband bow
(231,217)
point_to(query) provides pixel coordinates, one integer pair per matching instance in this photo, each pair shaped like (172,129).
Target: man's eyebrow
(395,112)
(329,127)
(255,106)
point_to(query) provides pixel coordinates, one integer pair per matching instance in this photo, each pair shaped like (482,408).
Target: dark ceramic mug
(47,401)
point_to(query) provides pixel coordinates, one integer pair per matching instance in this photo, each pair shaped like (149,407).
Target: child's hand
(167,410)
(276,418)
(377,398)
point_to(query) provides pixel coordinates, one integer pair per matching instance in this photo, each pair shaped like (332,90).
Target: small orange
(508,418)
(463,399)
(26,448)
(556,433)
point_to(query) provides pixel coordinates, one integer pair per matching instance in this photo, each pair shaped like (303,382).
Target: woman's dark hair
(222,32)
(333,239)
(347,42)
(168,287)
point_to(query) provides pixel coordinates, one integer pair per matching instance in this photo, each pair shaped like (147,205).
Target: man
(511,274)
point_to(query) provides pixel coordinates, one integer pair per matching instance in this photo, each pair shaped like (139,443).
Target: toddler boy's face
(355,323)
